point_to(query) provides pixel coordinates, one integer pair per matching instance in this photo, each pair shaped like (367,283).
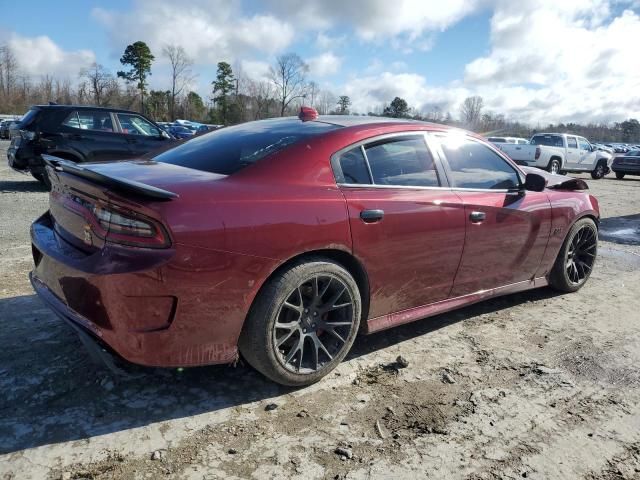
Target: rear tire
(554,167)
(576,258)
(302,323)
(619,175)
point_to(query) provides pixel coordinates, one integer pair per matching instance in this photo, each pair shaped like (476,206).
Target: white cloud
(374,19)
(329,42)
(552,61)
(42,56)
(255,69)
(209,30)
(324,65)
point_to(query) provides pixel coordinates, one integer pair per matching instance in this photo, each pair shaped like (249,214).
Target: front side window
(474,165)
(136,125)
(571,142)
(402,161)
(584,145)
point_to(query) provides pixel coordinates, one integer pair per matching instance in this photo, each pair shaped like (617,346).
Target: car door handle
(477,217)
(371,216)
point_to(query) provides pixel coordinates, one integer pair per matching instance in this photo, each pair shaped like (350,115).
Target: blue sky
(430,52)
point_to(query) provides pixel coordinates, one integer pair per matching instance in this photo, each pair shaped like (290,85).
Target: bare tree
(326,101)
(263,94)
(312,93)
(8,71)
(289,77)
(181,74)
(99,80)
(471,110)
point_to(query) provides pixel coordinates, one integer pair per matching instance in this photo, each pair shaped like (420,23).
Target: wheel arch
(344,258)
(555,157)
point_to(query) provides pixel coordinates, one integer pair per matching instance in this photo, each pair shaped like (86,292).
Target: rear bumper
(124,298)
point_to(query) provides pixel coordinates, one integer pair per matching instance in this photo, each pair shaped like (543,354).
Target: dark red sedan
(283,239)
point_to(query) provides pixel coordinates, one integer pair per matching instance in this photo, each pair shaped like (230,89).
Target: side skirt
(405,316)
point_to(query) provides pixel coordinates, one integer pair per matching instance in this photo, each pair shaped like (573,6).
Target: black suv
(81,134)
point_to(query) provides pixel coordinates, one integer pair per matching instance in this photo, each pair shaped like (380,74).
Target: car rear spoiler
(115,183)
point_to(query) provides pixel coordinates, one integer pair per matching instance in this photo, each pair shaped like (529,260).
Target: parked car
(627,164)
(6,126)
(179,131)
(560,152)
(283,239)
(81,134)
(603,148)
(516,140)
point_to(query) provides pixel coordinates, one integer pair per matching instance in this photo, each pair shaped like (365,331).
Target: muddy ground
(535,385)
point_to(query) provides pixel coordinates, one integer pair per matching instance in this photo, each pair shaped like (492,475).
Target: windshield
(548,140)
(231,149)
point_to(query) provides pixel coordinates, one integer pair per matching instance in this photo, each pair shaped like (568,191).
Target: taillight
(537,153)
(116,225)
(27,134)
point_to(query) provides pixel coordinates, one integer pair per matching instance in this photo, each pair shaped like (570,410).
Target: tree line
(236,98)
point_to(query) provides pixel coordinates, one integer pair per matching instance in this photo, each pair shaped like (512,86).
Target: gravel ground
(535,385)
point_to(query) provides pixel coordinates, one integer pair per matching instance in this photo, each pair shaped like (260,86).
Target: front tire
(302,323)
(576,258)
(600,171)
(619,175)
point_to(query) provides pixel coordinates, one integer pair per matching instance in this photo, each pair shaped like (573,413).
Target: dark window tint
(497,140)
(231,149)
(353,168)
(548,140)
(403,161)
(90,120)
(571,142)
(474,165)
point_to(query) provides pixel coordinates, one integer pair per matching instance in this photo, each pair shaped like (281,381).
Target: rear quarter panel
(567,207)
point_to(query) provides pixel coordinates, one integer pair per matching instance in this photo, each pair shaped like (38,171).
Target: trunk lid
(83,195)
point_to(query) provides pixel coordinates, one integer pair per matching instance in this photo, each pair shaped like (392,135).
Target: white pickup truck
(559,153)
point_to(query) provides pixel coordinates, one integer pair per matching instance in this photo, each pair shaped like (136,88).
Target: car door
(141,135)
(572,157)
(586,154)
(506,228)
(91,133)
(407,226)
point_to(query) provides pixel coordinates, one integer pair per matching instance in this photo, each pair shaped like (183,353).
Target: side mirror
(534,182)
(163,135)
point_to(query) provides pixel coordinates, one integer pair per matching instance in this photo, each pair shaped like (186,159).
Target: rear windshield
(228,150)
(548,140)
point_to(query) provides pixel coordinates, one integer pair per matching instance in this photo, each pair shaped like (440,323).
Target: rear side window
(474,165)
(90,120)
(548,140)
(353,168)
(403,161)
(231,149)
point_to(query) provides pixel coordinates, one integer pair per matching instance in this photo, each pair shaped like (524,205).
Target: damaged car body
(283,239)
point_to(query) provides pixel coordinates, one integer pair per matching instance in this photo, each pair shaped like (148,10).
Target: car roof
(82,107)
